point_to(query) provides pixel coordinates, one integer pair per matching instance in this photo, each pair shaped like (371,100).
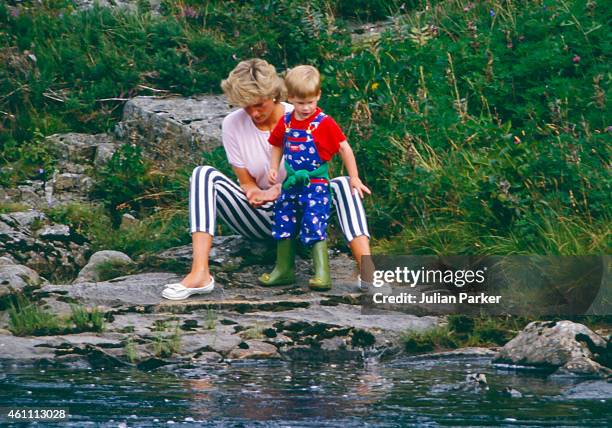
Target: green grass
(86,319)
(211,319)
(166,345)
(109,270)
(254,332)
(12,207)
(28,319)
(481,127)
(482,331)
(157,232)
(130,350)
(461,331)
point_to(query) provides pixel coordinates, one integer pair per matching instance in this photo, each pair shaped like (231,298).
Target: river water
(405,392)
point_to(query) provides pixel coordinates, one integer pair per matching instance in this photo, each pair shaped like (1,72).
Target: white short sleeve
(248,147)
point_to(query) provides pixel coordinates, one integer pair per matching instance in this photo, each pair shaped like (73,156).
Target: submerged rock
(254,349)
(564,346)
(591,390)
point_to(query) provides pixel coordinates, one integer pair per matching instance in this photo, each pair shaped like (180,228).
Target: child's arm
(346,153)
(277,154)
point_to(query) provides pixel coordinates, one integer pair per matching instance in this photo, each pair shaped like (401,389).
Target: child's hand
(358,187)
(272,175)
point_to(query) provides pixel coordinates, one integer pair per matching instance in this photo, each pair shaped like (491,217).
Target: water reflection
(402,393)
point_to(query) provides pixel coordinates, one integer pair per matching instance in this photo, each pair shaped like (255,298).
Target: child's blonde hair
(303,81)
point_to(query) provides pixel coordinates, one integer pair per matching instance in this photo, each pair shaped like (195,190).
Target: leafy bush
(122,180)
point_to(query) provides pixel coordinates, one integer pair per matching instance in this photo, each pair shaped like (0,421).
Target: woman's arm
(247,182)
(254,194)
(248,185)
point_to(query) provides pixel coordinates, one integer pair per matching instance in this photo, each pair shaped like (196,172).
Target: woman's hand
(254,196)
(358,187)
(271,194)
(257,197)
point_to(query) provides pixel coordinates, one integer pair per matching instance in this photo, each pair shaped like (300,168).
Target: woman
(247,208)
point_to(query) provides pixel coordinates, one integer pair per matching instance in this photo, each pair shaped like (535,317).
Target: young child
(308,139)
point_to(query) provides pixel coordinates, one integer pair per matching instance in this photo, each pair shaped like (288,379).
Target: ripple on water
(407,392)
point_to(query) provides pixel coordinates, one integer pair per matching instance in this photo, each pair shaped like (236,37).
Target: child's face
(304,107)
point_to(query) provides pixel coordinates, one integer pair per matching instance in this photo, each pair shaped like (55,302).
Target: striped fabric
(212,193)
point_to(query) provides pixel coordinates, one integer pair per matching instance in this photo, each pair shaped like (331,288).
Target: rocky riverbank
(240,319)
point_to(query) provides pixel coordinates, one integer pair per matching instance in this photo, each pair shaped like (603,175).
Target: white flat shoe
(363,285)
(178,291)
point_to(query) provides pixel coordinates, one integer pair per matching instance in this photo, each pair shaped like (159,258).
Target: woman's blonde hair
(252,81)
(303,81)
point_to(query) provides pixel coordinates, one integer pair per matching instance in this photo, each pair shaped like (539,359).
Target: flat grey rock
(24,348)
(54,232)
(141,289)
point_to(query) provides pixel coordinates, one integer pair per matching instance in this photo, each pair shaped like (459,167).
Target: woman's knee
(341,180)
(201,171)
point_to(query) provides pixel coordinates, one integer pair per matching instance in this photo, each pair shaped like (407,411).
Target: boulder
(564,346)
(104,153)
(71,182)
(173,129)
(31,194)
(54,232)
(78,148)
(16,277)
(23,218)
(91,271)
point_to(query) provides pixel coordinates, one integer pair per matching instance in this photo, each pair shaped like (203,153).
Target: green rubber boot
(322,280)
(283,273)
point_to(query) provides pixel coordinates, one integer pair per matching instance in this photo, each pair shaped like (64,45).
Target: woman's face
(261,111)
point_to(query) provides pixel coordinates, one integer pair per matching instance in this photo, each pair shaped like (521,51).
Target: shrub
(121,180)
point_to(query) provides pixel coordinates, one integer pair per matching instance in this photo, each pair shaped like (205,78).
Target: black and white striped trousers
(212,192)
